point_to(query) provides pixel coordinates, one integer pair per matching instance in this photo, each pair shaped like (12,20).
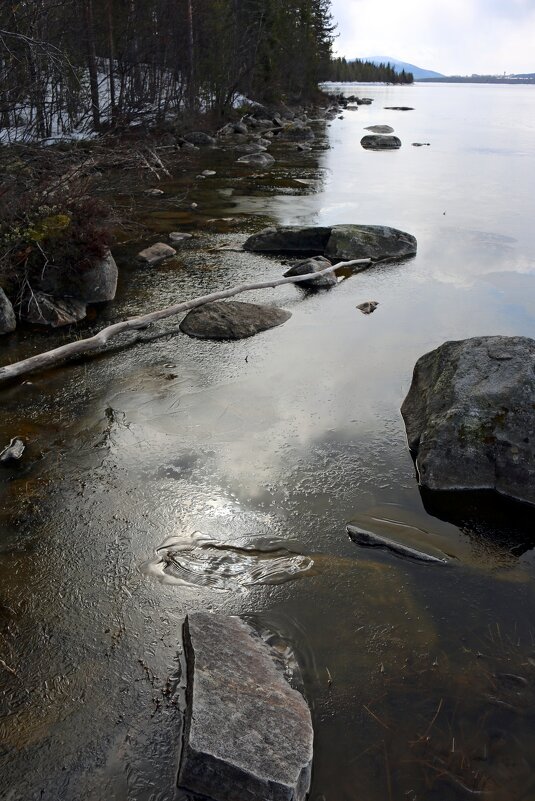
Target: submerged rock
(313,265)
(470,416)
(337,243)
(42,309)
(199,561)
(8,321)
(400,108)
(257,159)
(368,539)
(378,142)
(248,732)
(231,320)
(380,129)
(13,452)
(156,253)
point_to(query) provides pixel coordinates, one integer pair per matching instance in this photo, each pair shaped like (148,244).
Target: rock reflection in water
(197,560)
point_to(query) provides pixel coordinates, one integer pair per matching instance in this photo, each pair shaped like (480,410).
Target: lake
(420,677)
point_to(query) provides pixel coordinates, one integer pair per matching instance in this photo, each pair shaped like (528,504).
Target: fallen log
(81,347)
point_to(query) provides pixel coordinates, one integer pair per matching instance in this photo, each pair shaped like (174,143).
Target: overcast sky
(450,36)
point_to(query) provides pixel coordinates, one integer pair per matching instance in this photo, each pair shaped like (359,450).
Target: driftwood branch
(81,347)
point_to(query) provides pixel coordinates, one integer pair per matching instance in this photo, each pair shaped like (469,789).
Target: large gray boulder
(470,416)
(337,243)
(248,734)
(231,320)
(8,321)
(313,265)
(376,242)
(379,142)
(94,283)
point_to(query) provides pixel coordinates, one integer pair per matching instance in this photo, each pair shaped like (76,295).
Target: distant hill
(526,78)
(418,72)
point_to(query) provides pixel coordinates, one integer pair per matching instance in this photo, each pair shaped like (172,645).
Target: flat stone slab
(248,733)
(156,253)
(231,320)
(470,416)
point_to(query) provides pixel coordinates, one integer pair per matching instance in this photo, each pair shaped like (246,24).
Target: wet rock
(298,132)
(313,265)
(369,539)
(178,236)
(400,108)
(368,307)
(376,242)
(303,147)
(470,416)
(42,309)
(337,243)
(421,144)
(231,320)
(251,147)
(153,192)
(289,239)
(248,733)
(240,128)
(200,139)
(379,142)
(13,452)
(380,129)
(261,160)
(156,253)
(8,321)
(188,146)
(364,101)
(93,282)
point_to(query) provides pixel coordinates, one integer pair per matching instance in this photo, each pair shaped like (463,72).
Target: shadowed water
(419,678)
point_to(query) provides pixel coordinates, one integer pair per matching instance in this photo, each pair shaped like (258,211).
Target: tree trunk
(92,65)
(95,343)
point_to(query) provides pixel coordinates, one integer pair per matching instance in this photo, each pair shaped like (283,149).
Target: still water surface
(420,677)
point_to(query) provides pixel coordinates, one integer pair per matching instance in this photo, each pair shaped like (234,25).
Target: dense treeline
(343,71)
(89,64)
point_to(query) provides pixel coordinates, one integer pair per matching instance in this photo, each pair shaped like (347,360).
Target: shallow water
(419,677)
